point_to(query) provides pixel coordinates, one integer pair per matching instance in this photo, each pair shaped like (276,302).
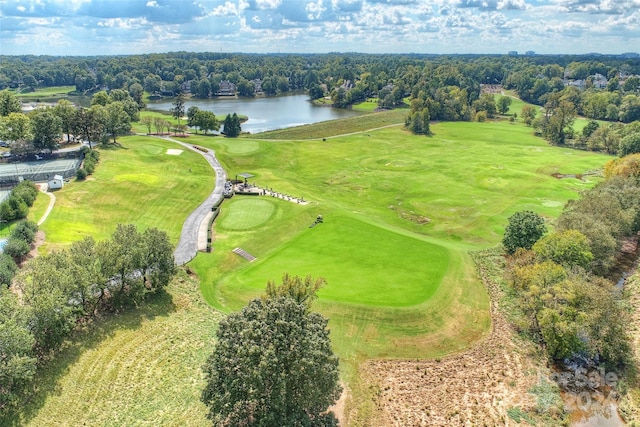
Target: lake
(269,113)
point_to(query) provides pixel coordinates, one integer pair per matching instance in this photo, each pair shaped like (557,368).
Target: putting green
(363,264)
(246,213)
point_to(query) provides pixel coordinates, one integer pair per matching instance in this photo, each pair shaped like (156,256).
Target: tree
(136,92)
(557,122)
(159,124)
(15,127)
(45,291)
(152,83)
(148,122)
(46,128)
(178,107)
(486,103)
(273,365)
(116,120)
(16,249)
(604,138)
(627,166)
(90,123)
(9,103)
(206,121)
(630,109)
(232,126)
(315,91)
(528,113)
(157,264)
(66,111)
(569,248)
(524,229)
(503,104)
(17,362)
(192,112)
(630,144)
(101,98)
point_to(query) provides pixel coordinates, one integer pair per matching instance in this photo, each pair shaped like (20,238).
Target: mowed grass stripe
(141,368)
(363,264)
(138,183)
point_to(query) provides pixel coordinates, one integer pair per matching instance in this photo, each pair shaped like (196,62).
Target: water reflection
(264,114)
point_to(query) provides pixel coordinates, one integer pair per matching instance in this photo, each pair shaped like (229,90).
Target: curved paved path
(188,243)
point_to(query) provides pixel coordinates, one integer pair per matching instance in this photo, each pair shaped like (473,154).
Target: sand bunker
(174,152)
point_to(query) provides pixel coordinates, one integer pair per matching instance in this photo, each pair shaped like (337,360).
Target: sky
(116,27)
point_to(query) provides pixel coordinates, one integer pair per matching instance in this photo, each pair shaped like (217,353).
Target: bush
(481,116)
(16,248)
(81,174)
(89,167)
(27,191)
(25,230)
(8,269)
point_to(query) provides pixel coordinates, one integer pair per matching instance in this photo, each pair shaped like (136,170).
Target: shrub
(81,174)
(89,167)
(8,269)
(16,248)
(25,230)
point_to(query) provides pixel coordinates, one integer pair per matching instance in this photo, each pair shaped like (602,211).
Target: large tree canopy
(273,365)
(524,229)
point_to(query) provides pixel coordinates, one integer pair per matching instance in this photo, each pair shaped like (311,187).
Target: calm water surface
(264,113)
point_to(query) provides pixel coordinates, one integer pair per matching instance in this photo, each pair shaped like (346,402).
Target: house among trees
(257,83)
(226,88)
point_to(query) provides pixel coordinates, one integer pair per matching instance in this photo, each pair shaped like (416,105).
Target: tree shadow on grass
(83,339)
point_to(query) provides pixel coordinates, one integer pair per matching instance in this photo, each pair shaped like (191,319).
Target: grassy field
(400,214)
(135,183)
(140,368)
(47,92)
(337,127)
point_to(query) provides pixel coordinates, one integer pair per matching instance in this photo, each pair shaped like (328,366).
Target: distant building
(530,53)
(257,83)
(226,88)
(513,53)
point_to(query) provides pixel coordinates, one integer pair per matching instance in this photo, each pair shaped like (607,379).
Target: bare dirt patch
(473,388)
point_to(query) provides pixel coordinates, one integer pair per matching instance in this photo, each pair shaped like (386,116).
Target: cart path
(187,247)
(52,202)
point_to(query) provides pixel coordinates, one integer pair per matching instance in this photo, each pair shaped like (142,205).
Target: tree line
(54,293)
(43,128)
(560,279)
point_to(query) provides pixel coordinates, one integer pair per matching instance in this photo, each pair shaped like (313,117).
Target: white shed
(56,182)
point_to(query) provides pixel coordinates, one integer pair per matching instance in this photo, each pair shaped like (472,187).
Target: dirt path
(52,202)
(474,388)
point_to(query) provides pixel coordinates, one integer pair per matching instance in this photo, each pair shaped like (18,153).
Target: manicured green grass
(354,257)
(139,368)
(338,127)
(46,92)
(135,183)
(248,213)
(369,105)
(401,212)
